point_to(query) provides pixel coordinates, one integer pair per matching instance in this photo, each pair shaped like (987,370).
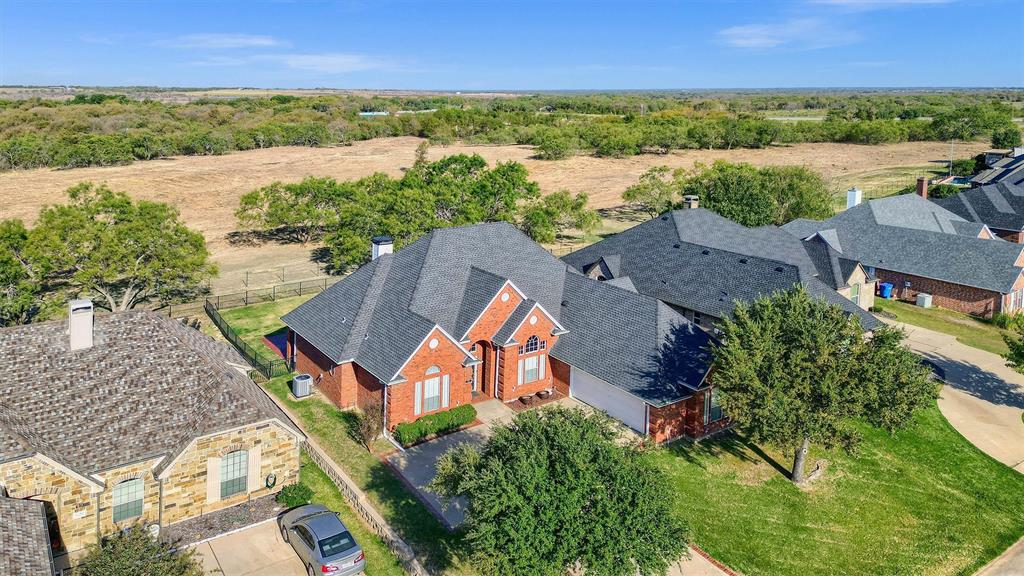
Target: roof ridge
(361,321)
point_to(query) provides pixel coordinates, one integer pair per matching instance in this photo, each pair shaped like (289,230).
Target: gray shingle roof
(24,538)
(919,238)
(667,356)
(450,275)
(998,206)
(698,260)
(1006,170)
(504,334)
(147,387)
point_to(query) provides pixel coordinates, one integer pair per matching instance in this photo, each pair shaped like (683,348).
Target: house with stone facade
(921,247)
(702,264)
(130,419)
(475,313)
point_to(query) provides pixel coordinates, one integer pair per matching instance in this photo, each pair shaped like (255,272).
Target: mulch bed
(216,523)
(519,406)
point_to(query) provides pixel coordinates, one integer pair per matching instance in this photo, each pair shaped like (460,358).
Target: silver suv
(322,541)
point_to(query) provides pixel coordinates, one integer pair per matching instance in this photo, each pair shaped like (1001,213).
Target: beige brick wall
(72,498)
(185,493)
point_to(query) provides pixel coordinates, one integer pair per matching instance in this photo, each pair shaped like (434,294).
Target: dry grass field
(206,189)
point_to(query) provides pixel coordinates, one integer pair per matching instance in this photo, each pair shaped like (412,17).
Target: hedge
(410,433)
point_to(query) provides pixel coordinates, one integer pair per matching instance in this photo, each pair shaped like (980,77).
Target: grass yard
(379,560)
(967,329)
(254,322)
(332,429)
(922,502)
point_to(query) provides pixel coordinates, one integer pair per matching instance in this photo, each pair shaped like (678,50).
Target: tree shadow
(283,235)
(728,443)
(349,422)
(977,381)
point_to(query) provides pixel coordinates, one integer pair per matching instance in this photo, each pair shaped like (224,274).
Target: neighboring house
(920,247)
(1000,207)
(468,314)
(702,264)
(1007,170)
(132,418)
(24,539)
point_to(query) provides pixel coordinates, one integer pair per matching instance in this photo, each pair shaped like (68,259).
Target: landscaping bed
(432,426)
(216,523)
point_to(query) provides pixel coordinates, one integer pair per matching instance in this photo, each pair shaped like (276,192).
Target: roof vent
(565,303)
(675,245)
(778,269)
(743,260)
(705,252)
(664,218)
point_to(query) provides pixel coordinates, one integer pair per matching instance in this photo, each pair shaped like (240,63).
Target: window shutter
(444,391)
(212,480)
(418,406)
(520,371)
(255,480)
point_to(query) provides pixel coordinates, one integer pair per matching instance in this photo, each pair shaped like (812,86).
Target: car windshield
(336,544)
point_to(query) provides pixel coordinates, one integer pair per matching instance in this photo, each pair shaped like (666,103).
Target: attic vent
(743,260)
(664,218)
(778,269)
(705,252)
(675,245)
(565,303)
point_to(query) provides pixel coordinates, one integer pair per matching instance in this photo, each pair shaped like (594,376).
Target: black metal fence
(262,362)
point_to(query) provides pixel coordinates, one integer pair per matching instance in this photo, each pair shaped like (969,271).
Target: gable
(439,349)
(502,304)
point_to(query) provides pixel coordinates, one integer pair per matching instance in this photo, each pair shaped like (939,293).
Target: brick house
(921,247)
(701,264)
(998,206)
(132,418)
(469,314)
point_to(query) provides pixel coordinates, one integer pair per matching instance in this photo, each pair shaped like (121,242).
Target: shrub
(966,166)
(943,190)
(1007,321)
(1006,137)
(294,495)
(409,433)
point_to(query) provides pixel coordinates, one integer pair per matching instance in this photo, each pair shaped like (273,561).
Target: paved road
(254,551)
(982,399)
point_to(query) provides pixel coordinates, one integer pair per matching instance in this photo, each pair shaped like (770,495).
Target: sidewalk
(1011,563)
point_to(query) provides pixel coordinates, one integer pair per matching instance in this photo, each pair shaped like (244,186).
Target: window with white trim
(712,407)
(432,390)
(532,345)
(234,473)
(128,500)
(855,294)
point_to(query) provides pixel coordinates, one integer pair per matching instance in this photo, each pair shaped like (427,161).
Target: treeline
(110,129)
(453,191)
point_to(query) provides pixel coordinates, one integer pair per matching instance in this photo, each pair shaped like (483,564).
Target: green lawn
(254,322)
(379,560)
(331,427)
(967,329)
(922,502)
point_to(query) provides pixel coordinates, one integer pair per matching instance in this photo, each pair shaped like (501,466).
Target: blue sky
(514,45)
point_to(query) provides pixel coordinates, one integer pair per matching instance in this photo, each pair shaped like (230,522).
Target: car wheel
(309,571)
(284,533)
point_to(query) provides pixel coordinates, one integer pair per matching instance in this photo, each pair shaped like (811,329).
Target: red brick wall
(668,422)
(508,387)
(368,387)
(966,299)
(446,356)
(481,332)
(1009,235)
(336,382)
(694,426)
(559,375)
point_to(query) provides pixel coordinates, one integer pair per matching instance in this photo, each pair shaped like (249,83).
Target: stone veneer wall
(150,496)
(73,499)
(185,486)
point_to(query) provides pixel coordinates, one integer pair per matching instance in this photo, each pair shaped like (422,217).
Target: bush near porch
(409,433)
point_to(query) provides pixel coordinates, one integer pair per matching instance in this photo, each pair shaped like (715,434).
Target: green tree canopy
(557,212)
(1007,136)
(756,196)
(554,490)
(134,553)
(794,370)
(655,192)
(126,252)
(21,285)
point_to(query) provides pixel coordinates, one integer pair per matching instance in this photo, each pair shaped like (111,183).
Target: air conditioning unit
(924,300)
(302,385)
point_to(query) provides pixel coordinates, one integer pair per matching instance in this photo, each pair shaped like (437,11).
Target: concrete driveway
(982,398)
(254,551)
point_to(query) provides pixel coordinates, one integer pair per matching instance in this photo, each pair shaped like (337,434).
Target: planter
(544,394)
(526,400)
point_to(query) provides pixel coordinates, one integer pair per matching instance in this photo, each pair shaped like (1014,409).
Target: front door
(480,371)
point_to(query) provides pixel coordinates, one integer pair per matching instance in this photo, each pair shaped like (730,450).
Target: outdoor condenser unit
(302,385)
(924,300)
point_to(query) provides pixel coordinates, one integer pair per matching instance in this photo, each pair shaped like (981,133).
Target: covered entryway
(624,407)
(483,372)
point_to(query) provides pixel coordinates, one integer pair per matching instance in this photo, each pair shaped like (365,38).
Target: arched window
(433,370)
(532,344)
(234,473)
(128,499)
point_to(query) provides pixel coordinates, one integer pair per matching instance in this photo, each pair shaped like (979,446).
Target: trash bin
(885,290)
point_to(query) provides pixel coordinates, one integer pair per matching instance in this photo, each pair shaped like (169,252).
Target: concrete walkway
(982,398)
(1011,563)
(254,551)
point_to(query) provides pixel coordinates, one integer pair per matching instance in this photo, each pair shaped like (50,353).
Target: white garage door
(603,396)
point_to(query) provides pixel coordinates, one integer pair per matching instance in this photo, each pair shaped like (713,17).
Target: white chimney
(691,202)
(80,316)
(382,245)
(853,197)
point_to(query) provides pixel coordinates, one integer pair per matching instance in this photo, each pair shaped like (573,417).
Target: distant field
(206,189)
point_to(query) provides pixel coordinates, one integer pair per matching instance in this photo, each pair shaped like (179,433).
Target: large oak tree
(795,370)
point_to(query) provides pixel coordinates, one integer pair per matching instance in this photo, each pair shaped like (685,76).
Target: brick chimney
(922,187)
(691,202)
(80,317)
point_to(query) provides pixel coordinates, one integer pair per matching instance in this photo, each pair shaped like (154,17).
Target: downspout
(160,509)
(99,535)
(387,435)
(497,363)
